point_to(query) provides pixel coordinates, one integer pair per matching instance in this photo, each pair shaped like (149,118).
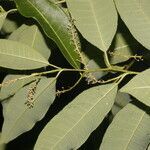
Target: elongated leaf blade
(129,130)
(139,87)
(54,22)
(12,84)
(136,16)
(19,118)
(124,47)
(96,20)
(3,15)
(32,36)
(73,125)
(16,55)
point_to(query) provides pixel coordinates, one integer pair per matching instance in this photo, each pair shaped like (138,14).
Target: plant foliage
(102,45)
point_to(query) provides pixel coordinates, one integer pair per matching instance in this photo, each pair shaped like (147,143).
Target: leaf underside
(139,87)
(73,125)
(32,36)
(12,84)
(19,118)
(136,15)
(96,20)
(19,56)
(129,130)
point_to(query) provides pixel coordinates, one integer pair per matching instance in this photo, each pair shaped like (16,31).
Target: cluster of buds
(8,82)
(75,39)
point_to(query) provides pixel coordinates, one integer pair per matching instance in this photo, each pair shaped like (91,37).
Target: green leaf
(130,130)
(96,20)
(2,145)
(136,15)
(12,84)
(3,15)
(139,87)
(73,125)
(16,55)
(122,99)
(32,36)
(9,25)
(124,46)
(15,35)
(54,22)
(18,118)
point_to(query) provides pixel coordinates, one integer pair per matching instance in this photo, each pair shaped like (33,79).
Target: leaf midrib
(124,46)
(34,36)
(87,112)
(27,58)
(98,27)
(130,139)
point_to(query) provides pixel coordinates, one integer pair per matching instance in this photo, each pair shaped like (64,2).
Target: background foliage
(75,74)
